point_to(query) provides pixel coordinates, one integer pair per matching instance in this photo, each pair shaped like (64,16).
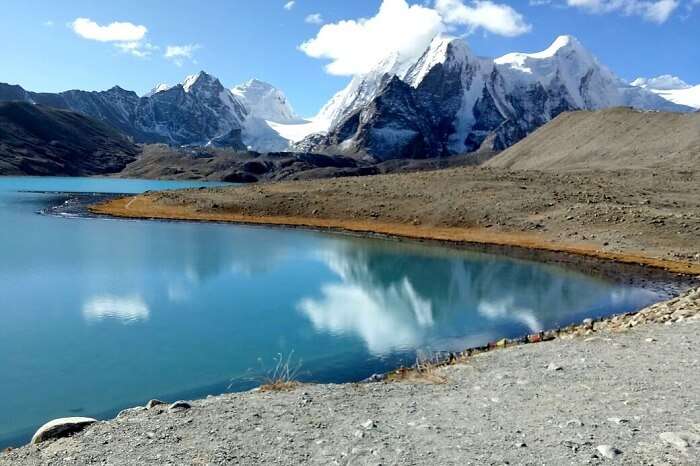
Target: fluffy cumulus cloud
(127,37)
(179,54)
(658,11)
(289,5)
(355,46)
(497,18)
(113,32)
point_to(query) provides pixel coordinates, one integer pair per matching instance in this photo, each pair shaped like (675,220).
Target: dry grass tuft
(283,377)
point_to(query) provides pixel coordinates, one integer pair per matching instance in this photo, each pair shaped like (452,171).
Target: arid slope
(618,138)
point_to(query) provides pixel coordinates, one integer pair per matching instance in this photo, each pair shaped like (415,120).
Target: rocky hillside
(199,111)
(616,138)
(450,101)
(38,140)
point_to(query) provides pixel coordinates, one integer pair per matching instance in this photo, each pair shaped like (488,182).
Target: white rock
(368,424)
(608,451)
(178,405)
(61,427)
(553,367)
(681,440)
(153,403)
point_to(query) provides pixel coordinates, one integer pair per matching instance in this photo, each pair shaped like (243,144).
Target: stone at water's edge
(61,427)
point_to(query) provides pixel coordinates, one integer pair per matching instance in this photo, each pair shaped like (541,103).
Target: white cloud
(126,37)
(493,17)
(289,5)
(355,46)
(114,32)
(128,310)
(178,54)
(657,11)
(137,49)
(315,18)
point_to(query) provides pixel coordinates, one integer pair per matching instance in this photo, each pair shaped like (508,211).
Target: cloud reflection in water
(128,310)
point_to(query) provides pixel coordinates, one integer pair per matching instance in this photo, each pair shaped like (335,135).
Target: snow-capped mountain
(266,102)
(672,89)
(447,101)
(450,101)
(199,111)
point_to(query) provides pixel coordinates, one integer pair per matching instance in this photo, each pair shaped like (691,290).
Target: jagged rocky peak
(443,50)
(201,81)
(265,101)
(162,87)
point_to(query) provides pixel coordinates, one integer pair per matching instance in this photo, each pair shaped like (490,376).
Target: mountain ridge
(467,100)
(454,102)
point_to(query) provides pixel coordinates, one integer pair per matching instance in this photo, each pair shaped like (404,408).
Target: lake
(97,315)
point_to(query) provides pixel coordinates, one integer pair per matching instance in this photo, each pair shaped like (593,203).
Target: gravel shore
(622,390)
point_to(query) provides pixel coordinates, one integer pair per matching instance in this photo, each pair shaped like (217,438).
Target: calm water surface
(97,314)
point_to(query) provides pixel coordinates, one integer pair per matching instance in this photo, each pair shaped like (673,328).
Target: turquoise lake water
(97,315)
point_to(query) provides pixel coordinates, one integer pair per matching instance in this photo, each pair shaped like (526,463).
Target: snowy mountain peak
(672,89)
(265,101)
(665,82)
(566,48)
(200,80)
(156,89)
(561,44)
(443,50)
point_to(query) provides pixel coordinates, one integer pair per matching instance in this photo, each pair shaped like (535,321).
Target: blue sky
(45,49)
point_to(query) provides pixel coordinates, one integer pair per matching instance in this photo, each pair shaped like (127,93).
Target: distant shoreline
(144,207)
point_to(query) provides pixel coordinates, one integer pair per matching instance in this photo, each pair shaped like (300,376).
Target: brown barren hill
(44,141)
(617,138)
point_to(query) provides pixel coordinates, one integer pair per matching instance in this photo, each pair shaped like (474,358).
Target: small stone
(608,451)
(153,403)
(59,428)
(179,405)
(574,423)
(680,440)
(359,434)
(553,367)
(617,420)
(369,424)
(650,340)
(375,378)
(521,445)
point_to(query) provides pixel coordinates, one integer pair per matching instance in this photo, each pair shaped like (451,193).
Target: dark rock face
(393,125)
(38,140)
(203,113)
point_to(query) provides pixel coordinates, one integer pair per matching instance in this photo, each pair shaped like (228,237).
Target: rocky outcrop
(59,428)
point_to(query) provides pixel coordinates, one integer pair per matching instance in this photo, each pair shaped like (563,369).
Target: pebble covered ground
(623,390)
